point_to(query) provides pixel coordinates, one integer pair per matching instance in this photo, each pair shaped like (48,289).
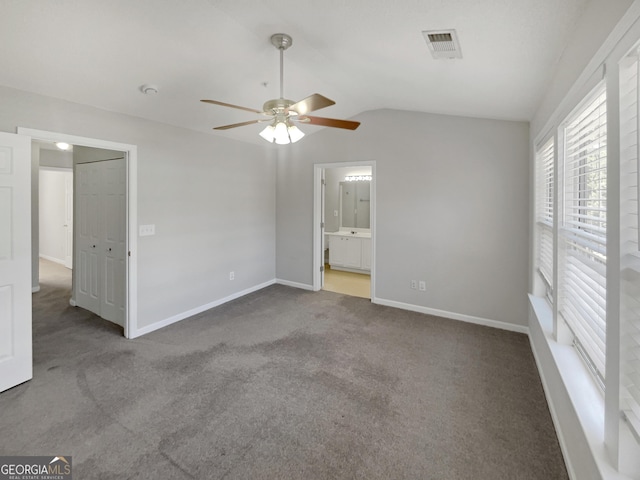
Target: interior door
(15,260)
(322,227)
(112,236)
(87,216)
(68,219)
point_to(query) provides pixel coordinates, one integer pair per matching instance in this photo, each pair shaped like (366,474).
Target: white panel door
(112,235)
(15,260)
(68,219)
(87,248)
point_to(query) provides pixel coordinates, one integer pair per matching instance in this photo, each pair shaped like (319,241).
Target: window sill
(582,441)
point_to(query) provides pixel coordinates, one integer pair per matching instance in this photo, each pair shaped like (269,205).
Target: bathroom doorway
(344,230)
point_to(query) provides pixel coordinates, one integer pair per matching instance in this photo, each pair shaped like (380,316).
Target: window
(544,213)
(629,245)
(582,236)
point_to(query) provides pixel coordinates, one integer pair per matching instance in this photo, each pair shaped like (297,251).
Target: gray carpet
(281,384)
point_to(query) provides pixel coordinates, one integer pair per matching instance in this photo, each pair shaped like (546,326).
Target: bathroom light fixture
(357,178)
(63,145)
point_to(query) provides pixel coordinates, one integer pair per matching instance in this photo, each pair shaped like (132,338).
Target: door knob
(109,249)
(93,246)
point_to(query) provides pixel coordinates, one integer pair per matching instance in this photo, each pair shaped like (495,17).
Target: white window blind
(544,211)
(582,294)
(630,257)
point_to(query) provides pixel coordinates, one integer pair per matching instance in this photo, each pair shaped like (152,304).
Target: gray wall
(55,158)
(212,201)
(452,209)
(52,195)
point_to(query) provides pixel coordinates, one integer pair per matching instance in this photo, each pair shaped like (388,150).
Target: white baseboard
(52,259)
(35,289)
(453,316)
(194,311)
(303,286)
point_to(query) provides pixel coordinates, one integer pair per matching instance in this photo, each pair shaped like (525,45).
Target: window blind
(630,256)
(582,296)
(544,211)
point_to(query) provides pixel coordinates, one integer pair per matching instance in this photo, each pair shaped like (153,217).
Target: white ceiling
(364,54)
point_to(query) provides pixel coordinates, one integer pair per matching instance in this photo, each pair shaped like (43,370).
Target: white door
(86,264)
(15,260)
(68,219)
(101,250)
(322,227)
(112,236)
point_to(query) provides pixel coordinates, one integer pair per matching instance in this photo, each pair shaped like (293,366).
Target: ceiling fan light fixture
(281,134)
(295,133)
(267,133)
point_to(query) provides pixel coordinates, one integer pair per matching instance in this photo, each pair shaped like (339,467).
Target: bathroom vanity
(350,251)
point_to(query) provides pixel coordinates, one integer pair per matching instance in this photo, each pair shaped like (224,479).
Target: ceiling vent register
(443,43)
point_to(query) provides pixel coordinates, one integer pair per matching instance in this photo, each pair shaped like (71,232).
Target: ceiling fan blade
(311,103)
(328,122)
(241,124)
(215,102)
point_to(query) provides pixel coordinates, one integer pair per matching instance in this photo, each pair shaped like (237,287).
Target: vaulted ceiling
(364,54)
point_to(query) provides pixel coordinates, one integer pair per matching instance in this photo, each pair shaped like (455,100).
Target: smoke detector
(443,43)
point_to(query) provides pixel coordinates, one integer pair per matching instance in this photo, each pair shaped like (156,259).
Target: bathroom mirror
(355,204)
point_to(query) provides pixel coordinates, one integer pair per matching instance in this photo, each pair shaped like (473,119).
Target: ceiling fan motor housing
(281,41)
(277,105)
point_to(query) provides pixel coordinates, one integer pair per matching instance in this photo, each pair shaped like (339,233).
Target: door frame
(318,240)
(131,222)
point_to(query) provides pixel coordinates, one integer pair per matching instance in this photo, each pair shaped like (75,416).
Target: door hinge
(129,253)
(321,224)
(323,182)
(322,268)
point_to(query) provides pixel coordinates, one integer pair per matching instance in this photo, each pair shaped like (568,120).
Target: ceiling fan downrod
(281,41)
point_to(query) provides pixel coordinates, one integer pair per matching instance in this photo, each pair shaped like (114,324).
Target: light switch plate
(147,230)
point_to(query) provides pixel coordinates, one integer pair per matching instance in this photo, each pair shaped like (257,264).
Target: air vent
(443,43)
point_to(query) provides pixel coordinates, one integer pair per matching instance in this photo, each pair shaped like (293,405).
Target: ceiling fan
(284,114)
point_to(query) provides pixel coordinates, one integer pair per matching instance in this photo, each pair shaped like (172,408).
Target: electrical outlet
(423,286)
(414,284)
(232,275)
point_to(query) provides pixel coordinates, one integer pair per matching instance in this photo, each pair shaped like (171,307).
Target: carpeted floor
(282,384)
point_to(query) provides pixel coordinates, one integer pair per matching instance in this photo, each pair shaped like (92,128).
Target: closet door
(88,186)
(101,250)
(113,255)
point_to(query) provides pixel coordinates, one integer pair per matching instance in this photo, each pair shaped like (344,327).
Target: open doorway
(344,228)
(85,264)
(90,271)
